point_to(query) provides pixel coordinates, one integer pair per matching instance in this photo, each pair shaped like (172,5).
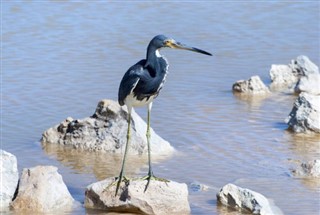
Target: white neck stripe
(158,53)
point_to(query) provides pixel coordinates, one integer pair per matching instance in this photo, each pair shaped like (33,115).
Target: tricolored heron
(141,84)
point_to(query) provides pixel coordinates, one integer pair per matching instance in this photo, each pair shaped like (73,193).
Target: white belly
(132,101)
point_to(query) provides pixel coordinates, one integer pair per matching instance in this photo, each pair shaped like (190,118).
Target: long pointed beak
(177,45)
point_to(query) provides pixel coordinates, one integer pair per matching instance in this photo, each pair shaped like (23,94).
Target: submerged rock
(287,76)
(42,189)
(160,197)
(106,131)
(305,114)
(198,187)
(309,169)
(245,199)
(252,86)
(9,177)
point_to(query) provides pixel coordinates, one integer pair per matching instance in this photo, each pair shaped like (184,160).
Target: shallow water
(60,58)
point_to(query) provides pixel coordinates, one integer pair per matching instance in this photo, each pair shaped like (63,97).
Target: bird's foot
(117,182)
(150,177)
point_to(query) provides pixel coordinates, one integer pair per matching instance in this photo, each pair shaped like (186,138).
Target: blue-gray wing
(129,81)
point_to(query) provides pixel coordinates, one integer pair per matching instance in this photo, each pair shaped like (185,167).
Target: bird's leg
(150,173)
(125,152)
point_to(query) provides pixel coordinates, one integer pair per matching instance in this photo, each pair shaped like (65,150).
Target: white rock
(9,177)
(309,84)
(106,131)
(309,169)
(245,199)
(303,66)
(282,76)
(160,197)
(287,76)
(305,114)
(252,86)
(42,189)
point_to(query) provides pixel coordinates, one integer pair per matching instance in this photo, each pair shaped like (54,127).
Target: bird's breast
(149,84)
(133,100)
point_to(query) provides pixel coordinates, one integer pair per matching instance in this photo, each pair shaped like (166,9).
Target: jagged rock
(305,114)
(287,76)
(303,66)
(106,131)
(252,86)
(9,177)
(247,200)
(309,169)
(309,84)
(42,189)
(160,197)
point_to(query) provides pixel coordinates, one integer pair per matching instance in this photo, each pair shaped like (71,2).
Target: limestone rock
(247,200)
(42,189)
(106,131)
(287,76)
(305,114)
(160,197)
(303,66)
(309,84)
(282,76)
(252,86)
(9,177)
(309,169)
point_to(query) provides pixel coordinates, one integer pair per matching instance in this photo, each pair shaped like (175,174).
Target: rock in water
(160,197)
(303,66)
(9,178)
(42,189)
(305,114)
(309,84)
(287,76)
(106,131)
(309,169)
(198,187)
(282,76)
(245,199)
(253,86)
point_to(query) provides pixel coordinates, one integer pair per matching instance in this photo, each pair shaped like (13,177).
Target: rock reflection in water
(252,100)
(101,164)
(103,212)
(311,183)
(305,146)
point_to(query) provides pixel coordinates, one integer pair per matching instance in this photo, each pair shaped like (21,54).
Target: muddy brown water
(60,58)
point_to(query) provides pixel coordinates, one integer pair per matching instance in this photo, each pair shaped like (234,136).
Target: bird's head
(161,41)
